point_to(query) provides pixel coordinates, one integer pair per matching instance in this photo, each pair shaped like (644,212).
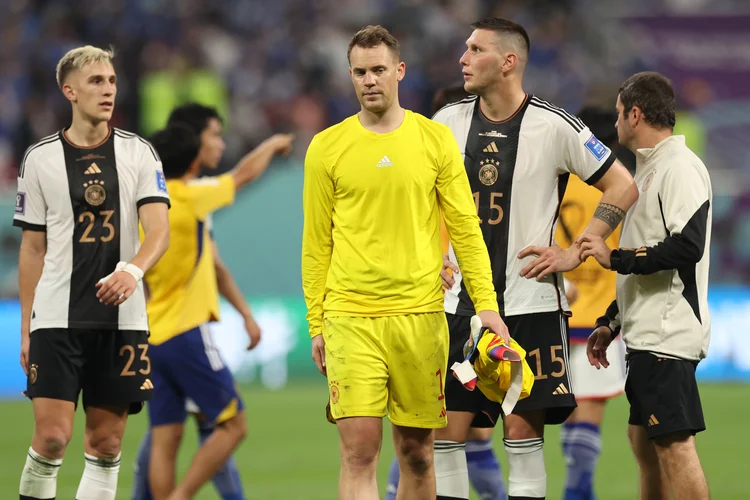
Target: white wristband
(126,267)
(134,271)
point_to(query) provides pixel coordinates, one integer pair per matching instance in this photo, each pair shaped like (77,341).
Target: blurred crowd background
(280,66)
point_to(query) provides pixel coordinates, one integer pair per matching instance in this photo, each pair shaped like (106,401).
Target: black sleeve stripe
(661,211)
(450,104)
(153,199)
(29,226)
(562,115)
(47,140)
(127,135)
(602,170)
(562,110)
(150,147)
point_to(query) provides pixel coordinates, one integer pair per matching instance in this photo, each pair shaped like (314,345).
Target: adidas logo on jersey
(561,389)
(652,420)
(492,148)
(147,385)
(93,169)
(384,162)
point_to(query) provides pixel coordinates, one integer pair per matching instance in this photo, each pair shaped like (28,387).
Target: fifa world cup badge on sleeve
(161,182)
(597,149)
(20,203)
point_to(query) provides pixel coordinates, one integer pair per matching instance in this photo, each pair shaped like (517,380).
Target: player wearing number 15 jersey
(519,151)
(81,194)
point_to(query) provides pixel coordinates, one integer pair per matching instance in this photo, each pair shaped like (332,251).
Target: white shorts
(590,383)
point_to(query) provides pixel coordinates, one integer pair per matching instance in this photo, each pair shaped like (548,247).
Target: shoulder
(554,116)
(335,132)
(456,110)
(683,165)
(38,150)
(135,143)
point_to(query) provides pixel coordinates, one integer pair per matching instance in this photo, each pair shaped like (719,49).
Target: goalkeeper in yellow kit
(375,187)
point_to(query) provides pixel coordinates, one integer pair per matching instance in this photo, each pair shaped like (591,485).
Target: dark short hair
(654,96)
(193,115)
(177,146)
(601,122)
(504,27)
(447,95)
(372,36)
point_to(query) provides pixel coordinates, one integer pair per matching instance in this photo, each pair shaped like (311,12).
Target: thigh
(199,371)
(544,336)
(356,366)
(417,358)
(105,426)
(118,369)
(457,397)
(168,404)
(56,360)
(593,384)
(664,395)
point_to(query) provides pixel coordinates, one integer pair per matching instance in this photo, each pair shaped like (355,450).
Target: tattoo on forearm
(610,214)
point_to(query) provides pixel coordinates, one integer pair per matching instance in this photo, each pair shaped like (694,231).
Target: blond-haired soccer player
(662,291)
(81,194)
(183,299)
(375,185)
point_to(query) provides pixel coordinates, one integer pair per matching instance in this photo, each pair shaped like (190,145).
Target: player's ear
(510,62)
(401,70)
(69,92)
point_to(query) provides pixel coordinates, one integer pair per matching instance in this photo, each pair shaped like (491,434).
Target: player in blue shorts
(183,300)
(206,123)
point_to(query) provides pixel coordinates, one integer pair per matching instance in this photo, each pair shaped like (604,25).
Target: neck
(193,171)
(500,102)
(86,133)
(650,137)
(383,122)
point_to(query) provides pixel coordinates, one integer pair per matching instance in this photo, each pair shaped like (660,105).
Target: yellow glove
(507,380)
(500,371)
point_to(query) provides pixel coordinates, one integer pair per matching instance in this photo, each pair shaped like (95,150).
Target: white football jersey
(87,200)
(518,170)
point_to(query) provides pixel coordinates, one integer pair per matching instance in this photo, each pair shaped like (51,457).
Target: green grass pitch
(292,452)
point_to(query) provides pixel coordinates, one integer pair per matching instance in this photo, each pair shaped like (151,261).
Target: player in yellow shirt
(183,298)
(580,436)
(375,186)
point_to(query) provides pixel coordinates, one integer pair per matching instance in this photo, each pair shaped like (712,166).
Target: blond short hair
(78,58)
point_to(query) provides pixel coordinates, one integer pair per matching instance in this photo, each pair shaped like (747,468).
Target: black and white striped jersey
(87,200)
(518,170)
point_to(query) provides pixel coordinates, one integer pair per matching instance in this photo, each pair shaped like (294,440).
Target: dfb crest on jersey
(488,172)
(648,181)
(33,374)
(95,193)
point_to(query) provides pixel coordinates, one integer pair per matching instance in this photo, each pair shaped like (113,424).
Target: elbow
(631,196)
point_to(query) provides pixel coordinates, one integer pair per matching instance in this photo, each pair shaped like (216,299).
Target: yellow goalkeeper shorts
(392,365)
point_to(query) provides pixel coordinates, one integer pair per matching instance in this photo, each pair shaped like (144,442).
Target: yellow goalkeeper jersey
(181,288)
(372,203)
(596,286)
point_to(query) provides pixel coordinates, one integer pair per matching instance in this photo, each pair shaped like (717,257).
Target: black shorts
(663,395)
(111,367)
(544,336)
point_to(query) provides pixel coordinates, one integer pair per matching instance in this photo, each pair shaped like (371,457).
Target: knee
(236,426)
(417,456)
(362,456)
(105,444)
(53,441)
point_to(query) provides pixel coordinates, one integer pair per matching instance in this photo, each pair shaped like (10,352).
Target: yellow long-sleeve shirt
(371,239)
